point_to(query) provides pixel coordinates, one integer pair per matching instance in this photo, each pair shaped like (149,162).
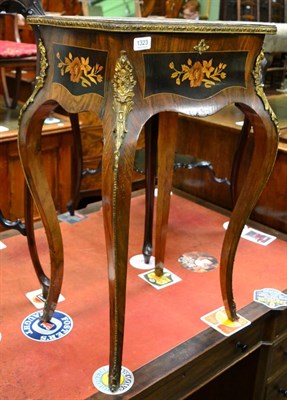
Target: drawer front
(219,358)
(281,323)
(279,356)
(278,388)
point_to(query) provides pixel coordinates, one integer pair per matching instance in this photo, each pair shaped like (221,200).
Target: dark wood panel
(56,145)
(206,141)
(215,139)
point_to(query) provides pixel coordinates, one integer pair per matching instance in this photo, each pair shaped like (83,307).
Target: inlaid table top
(151,24)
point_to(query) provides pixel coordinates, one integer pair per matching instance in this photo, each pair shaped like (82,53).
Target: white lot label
(143,43)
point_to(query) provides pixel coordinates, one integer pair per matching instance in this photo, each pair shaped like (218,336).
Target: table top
(277,43)
(152,25)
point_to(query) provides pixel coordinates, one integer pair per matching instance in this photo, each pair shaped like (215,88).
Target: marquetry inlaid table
(126,71)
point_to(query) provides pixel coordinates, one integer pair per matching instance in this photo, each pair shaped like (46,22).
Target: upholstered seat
(11,50)
(14,54)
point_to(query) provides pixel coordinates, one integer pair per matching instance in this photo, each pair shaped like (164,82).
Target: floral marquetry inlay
(80,70)
(199,73)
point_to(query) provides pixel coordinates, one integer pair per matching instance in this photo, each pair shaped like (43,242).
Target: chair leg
(17,88)
(5,88)
(11,102)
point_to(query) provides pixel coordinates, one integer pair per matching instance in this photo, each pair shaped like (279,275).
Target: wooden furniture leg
(243,206)
(29,224)
(5,88)
(117,183)
(11,102)
(17,88)
(243,140)
(27,229)
(31,124)
(151,137)
(17,63)
(265,148)
(77,163)
(167,134)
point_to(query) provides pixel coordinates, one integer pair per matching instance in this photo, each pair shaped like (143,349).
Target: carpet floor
(156,320)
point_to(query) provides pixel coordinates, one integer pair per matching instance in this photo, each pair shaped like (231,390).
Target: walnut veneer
(92,64)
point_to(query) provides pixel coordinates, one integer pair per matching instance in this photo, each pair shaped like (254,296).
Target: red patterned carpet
(156,320)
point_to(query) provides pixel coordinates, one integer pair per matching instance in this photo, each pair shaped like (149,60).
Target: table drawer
(279,356)
(281,323)
(216,360)
(278,388)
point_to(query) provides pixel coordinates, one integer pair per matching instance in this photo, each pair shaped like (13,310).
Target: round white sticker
(138,262)
(101,380)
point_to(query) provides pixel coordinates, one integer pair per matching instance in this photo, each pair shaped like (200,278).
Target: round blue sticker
(59,326)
